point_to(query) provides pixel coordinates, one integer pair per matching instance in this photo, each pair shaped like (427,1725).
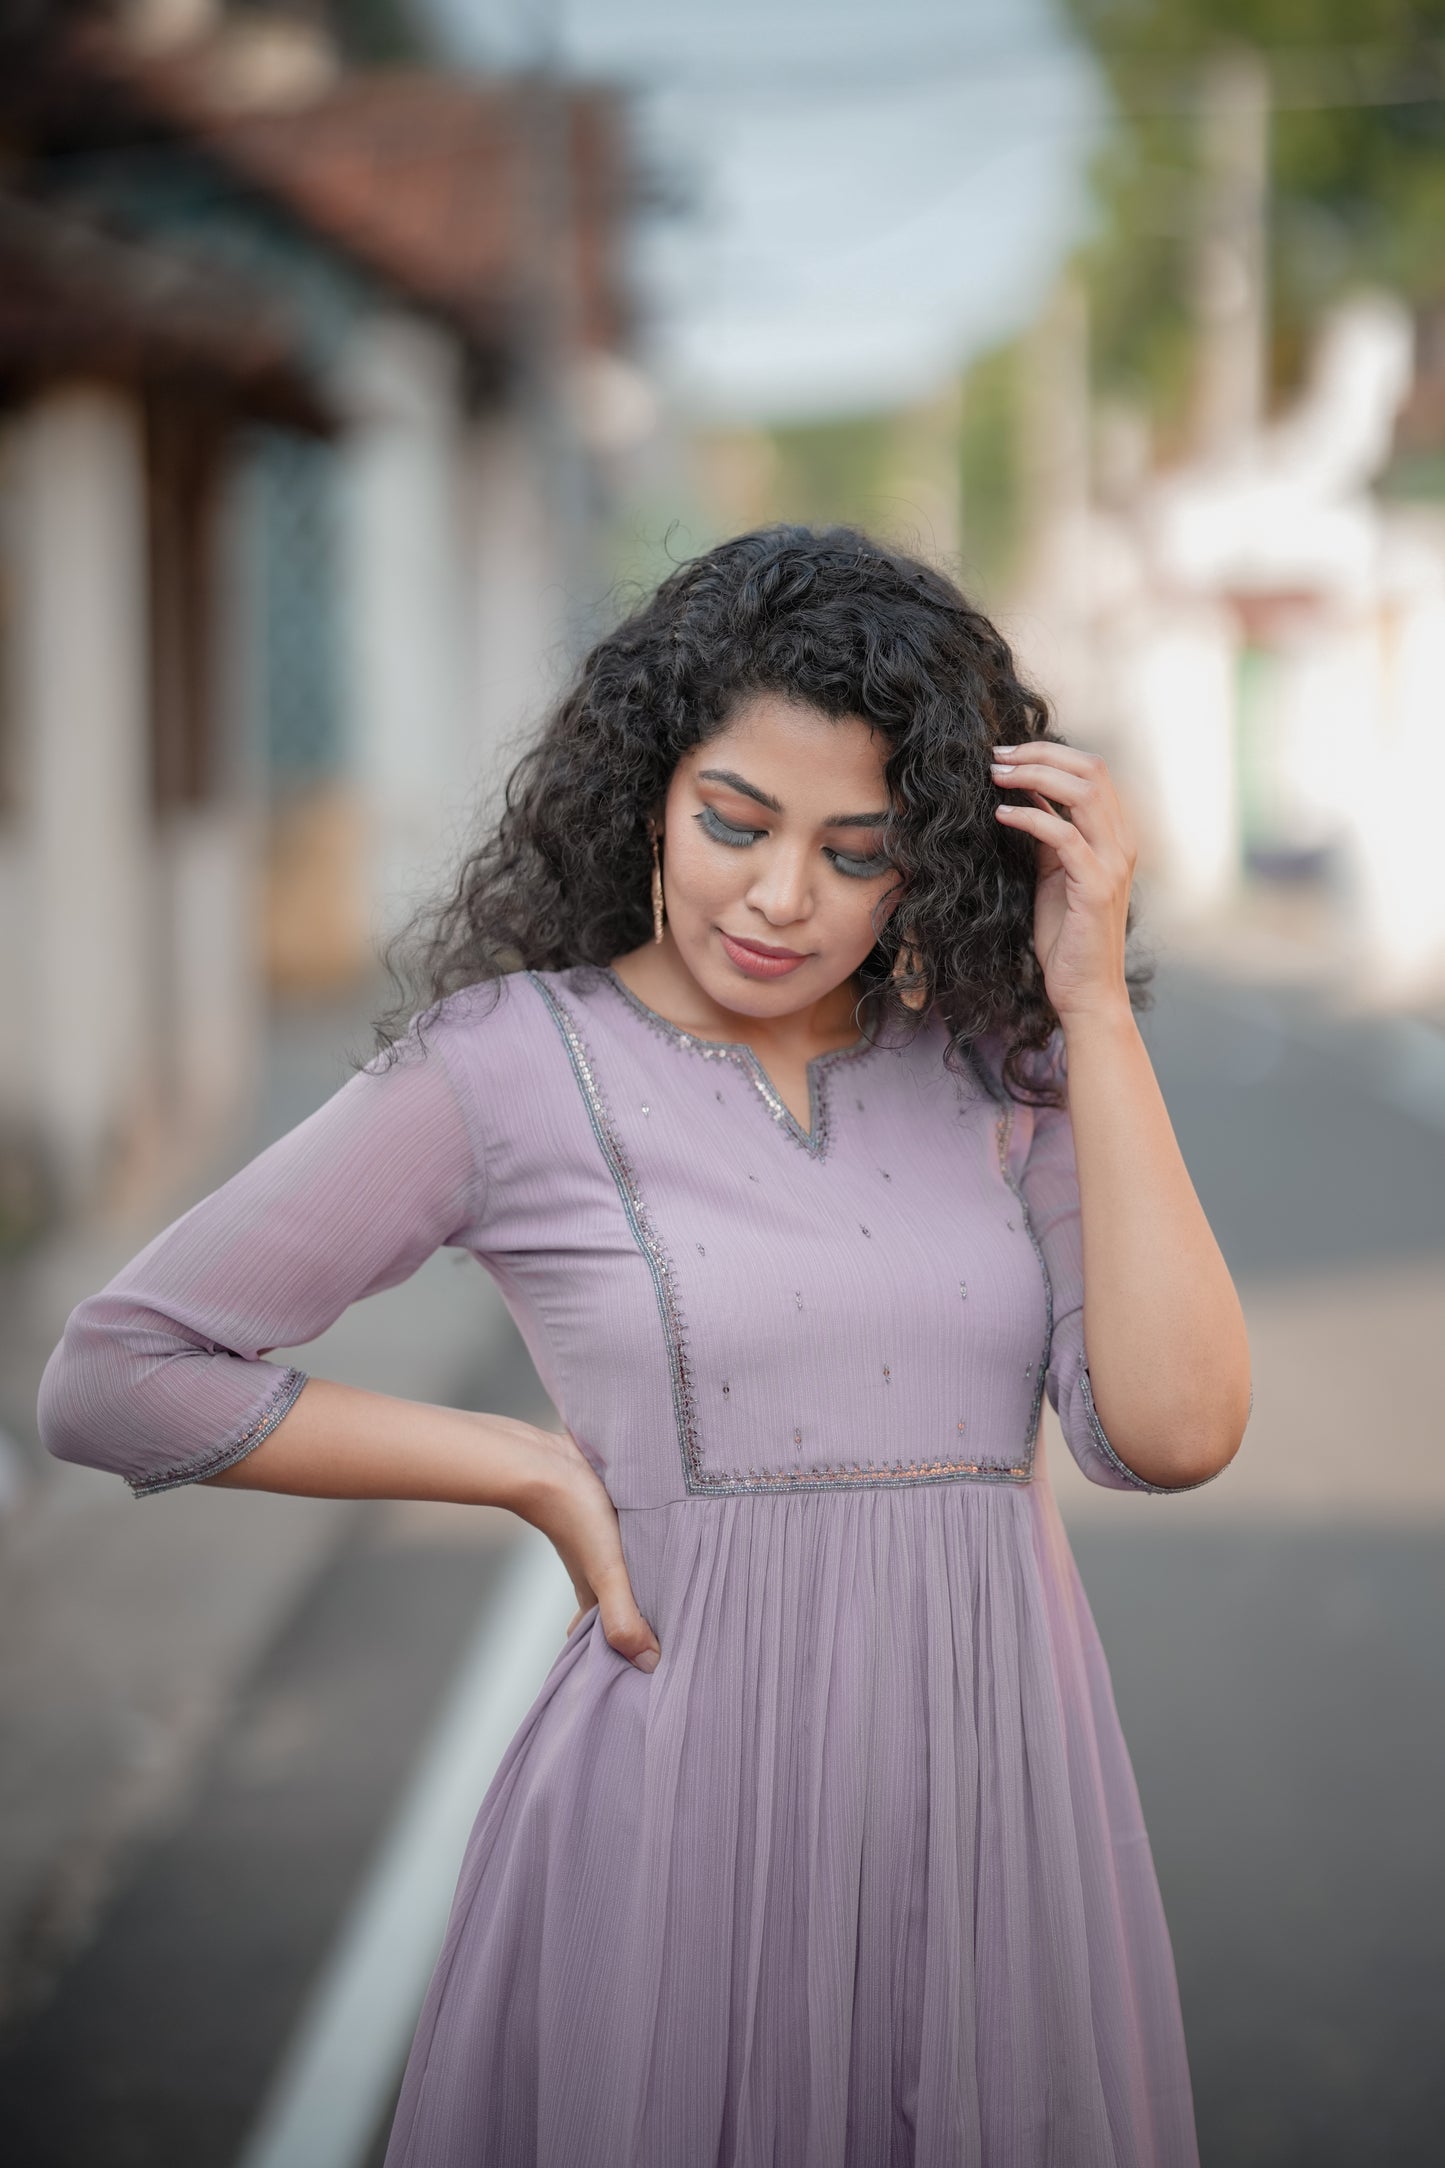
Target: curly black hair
(828,617)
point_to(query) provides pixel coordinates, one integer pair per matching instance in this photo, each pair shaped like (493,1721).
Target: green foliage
(1357,159)
(834,470)
(380,33)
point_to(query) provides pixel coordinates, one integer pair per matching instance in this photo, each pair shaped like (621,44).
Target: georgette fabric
(857,1877)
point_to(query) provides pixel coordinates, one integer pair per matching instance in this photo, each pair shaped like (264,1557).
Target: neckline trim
(860,1045)
(814,1138)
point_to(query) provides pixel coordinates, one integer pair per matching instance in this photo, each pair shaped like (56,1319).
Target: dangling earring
(906,964)
(656,890)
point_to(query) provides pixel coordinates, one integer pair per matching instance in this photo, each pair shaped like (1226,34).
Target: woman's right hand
(563,1495)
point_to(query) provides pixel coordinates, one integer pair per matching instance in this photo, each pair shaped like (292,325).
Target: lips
(761,948)
(757,963)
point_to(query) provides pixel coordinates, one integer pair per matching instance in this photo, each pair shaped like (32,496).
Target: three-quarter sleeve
(160,1377)
(1048,1185)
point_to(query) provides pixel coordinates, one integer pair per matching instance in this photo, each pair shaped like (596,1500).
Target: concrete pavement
(128,1627)
(1273,1637)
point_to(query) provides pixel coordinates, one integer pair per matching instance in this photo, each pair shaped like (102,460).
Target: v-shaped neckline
(814,1137)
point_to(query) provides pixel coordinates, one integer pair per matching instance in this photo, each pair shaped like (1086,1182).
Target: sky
(875,189)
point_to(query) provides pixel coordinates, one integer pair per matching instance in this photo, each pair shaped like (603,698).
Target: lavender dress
(857,1878)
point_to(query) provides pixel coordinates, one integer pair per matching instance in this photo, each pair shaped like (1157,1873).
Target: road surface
(1273,1640)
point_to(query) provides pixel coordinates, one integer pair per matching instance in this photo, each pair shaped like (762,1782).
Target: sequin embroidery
(1005,1135)
(699,1479)
(814,1139)
(1003,1132)
(288,1387)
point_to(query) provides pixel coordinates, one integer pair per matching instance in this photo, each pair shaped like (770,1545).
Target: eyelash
(738,839)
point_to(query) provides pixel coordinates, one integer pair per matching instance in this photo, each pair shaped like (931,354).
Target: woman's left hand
(1085,869)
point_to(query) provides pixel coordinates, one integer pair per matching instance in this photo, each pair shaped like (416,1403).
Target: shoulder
(487,1058)
(497,1035)
(480,1040)
(1041,1066)
(469,1022)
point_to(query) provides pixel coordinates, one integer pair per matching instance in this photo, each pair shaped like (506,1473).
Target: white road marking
(1414,1076)
(332,2085)
(331,2088)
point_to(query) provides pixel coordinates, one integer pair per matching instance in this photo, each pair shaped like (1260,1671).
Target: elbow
(132,1392)
(1194,1456)
(1211,1446)
(66,1406)
(1176,1455)
(1172,1464)
(1188,1462)
(86,1405)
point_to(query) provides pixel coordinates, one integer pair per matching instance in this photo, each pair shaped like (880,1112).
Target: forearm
(337,1441)
(1164,1332)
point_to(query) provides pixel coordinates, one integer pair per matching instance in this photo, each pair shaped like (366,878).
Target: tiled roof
(431,181)
(74,297)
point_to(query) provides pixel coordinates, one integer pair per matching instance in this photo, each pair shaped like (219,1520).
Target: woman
(779,1063)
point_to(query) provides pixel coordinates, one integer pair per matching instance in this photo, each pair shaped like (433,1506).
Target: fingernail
(647,1661)
(1005,748)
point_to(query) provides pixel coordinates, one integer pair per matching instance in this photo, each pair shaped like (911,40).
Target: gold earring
(656,890)
(906,964)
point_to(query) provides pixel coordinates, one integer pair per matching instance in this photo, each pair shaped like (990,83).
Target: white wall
(130,960)
(1177,708)
(455,610)
(405,603)
(1399,777)
(207,901)
(516,601)
(16,1064)
(81,686)
(207,936)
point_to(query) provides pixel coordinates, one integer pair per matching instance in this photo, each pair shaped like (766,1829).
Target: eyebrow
(750,790)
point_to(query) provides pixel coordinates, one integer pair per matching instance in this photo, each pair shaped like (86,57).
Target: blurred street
(360,362)
(1272,1640)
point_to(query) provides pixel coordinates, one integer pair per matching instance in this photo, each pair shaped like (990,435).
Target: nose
(781,890)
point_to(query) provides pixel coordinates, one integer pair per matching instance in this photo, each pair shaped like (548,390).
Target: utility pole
(1055,485)
(1054,458)
(552,341)
(1231,268)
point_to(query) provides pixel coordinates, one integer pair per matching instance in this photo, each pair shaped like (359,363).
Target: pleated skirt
(856,1878)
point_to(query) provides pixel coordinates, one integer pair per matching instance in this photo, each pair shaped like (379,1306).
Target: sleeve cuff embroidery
(1101,1442)
(234,1448)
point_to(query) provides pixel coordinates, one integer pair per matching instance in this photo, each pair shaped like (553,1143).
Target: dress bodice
(718,1298)
(855,1301)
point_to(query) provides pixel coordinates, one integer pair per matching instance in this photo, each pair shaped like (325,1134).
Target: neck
(658,976)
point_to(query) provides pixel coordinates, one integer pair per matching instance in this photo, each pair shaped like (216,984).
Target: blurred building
(1254,629)
(306,377)
(1258,635)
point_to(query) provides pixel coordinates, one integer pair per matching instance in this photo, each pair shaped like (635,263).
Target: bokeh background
(357,364)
